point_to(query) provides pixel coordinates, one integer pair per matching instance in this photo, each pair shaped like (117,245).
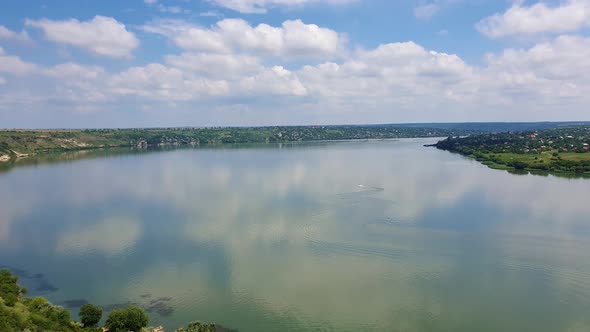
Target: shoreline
(39,142)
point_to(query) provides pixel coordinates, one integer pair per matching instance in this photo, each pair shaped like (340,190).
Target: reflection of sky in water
(285,239)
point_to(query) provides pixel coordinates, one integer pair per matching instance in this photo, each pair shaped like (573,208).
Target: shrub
(90,314)
(128,319)
(9,289)
(199,327)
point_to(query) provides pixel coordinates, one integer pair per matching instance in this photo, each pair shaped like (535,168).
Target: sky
(160,63)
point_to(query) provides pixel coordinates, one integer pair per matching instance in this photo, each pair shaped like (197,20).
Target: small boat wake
(370,188)
(364,191)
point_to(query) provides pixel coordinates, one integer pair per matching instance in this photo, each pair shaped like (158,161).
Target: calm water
(343,236)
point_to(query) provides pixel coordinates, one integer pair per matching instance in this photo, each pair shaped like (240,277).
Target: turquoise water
(342,236)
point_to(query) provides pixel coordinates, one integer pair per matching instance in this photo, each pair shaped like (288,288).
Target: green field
(547,161)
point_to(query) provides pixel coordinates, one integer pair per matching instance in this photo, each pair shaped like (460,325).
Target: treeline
(21,313)
(33,142)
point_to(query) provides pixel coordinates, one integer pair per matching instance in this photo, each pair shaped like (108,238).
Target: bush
(90,314)
(519,165)
(199,327)
(128,319)
(9,289)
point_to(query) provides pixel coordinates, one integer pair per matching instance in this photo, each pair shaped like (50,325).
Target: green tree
(199,327)
(127,319)
(90,314)
(9,289)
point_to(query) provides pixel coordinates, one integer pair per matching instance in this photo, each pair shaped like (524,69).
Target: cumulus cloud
(565,57)
(216,65)
(14,65)
(274,81)
(396,70)
(568,16)
(156,81)
(234,65)
(102,35)
(292,38)
(7,34)
(261,6)
(556,68)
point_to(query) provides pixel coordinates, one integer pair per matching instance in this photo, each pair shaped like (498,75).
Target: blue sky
(264,62)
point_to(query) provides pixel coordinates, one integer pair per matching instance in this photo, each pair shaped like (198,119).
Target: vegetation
(9,289)
(127,319)
(557,150)
(90,314)
(21,143)
(19,313)
(198,327)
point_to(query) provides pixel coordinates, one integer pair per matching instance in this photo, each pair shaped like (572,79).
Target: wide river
(340,236)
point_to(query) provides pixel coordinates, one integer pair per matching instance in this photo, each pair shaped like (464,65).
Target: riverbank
(17,144)
(563,151)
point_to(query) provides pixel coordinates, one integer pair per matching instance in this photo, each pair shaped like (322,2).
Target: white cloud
(274,81)
(2,81)
(166,9)
(391,71)
(292,38)
(565,57)
(426,11)
(7,34)
(253,69)
(74,70)
(156,81)
(102,35)
(210,13)
(216,65)
(261,6)
(552,69)
(538,18)
(14,65)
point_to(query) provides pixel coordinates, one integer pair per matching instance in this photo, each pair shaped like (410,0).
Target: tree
(128,319)
(9,289)
(199,327)
(90,314)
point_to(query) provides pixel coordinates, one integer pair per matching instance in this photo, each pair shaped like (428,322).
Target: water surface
(341,236)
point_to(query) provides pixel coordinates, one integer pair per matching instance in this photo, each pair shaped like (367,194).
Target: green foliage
(9,289)
(90,314)
(128,319)
(520,165)
(10,319)
(37,141)
(564,151)
(199,327)
(35,315)
(38,314)
(18,313)
(47,316)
